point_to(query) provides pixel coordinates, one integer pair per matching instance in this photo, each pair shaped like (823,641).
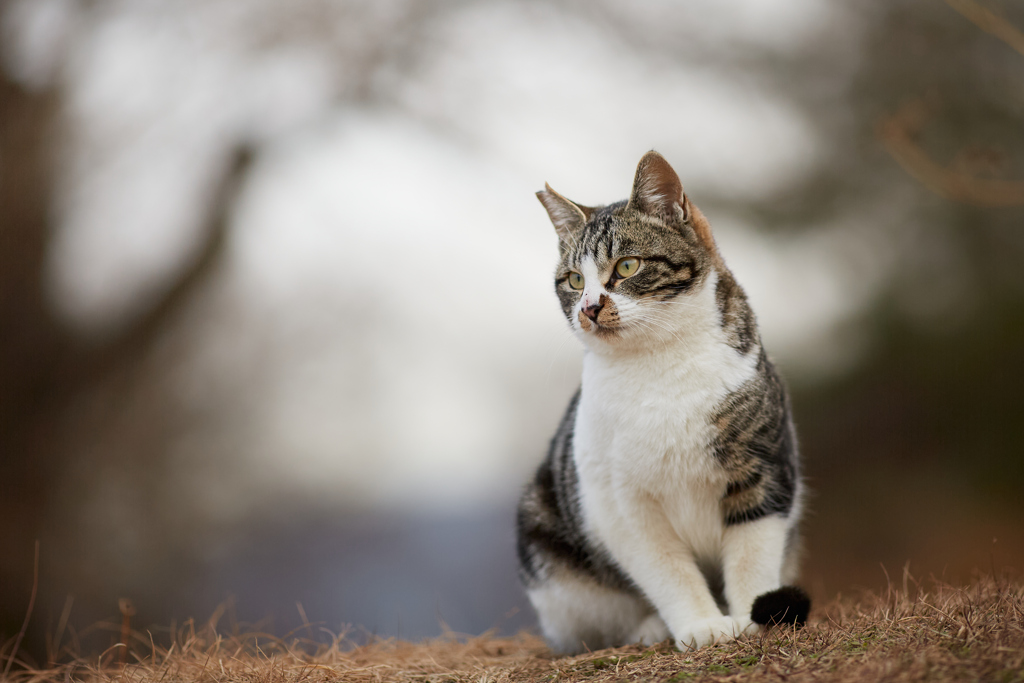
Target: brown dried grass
(938,632)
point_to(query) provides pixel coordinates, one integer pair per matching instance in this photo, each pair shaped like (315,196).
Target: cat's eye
(626,267)
(575,280)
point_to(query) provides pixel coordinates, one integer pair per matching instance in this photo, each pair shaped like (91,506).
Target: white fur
(650,491)
(753,555)
(650,631)
(573,609)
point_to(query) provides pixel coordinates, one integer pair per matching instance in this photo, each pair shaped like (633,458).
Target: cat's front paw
(709,631)
(746,627)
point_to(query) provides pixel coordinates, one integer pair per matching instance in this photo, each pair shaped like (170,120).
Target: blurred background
(276,317)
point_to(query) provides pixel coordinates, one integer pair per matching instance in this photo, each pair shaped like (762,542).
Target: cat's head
(636,272)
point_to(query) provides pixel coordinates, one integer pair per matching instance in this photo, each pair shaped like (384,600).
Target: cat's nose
(594,310)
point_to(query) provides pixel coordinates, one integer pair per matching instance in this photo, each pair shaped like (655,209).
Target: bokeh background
(277,328)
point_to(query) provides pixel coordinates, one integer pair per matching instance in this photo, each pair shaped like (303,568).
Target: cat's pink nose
(594,310)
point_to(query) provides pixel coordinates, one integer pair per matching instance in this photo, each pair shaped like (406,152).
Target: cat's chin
(602,332)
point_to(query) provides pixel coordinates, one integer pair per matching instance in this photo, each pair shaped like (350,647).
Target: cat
(669,499)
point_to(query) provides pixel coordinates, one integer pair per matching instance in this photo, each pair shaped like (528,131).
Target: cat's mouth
(602,325)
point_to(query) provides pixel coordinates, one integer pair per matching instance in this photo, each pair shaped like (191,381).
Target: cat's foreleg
(650,551)
(753,554)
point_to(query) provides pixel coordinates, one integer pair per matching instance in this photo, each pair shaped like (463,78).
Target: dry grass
(938,632)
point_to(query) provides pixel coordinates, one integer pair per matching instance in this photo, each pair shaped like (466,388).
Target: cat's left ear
(658,192)
(656,188)
(568,217)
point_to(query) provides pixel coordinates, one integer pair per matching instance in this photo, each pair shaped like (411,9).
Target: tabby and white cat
(669,500)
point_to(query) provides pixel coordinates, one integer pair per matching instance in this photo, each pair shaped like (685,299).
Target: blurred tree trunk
(33,350)
(44,367)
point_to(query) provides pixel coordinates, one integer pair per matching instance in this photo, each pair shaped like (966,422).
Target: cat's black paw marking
(786,605)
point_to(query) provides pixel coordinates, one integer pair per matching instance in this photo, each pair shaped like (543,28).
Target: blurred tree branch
(899,132)
(990,22)
(138,336)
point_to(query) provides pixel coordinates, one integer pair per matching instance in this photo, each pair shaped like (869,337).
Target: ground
(914,632)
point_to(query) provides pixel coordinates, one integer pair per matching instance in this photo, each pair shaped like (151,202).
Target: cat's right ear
(567,217)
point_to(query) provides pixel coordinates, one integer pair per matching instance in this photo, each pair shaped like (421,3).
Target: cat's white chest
(644,429)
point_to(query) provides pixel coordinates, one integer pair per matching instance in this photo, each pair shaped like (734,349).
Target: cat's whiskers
(648,331)
(649,321)
(637,322)
(658,302)
(635,315)
(661,324)
(656,317)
